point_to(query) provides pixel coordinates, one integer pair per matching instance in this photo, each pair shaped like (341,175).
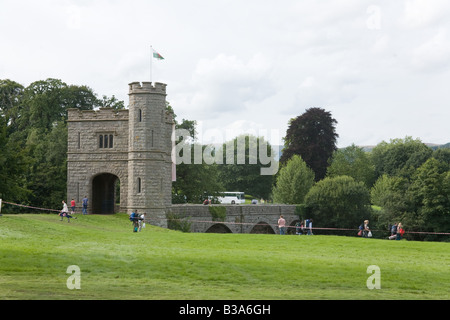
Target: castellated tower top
(147,87)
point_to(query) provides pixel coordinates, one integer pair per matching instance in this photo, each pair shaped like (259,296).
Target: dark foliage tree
(312,136)
(33,138)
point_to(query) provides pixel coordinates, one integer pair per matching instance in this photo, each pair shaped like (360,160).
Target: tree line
(402,180)
(33,138)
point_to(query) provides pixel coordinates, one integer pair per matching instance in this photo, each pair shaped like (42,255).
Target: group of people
(64,213)
(138,221)
(299,227)
(396,230)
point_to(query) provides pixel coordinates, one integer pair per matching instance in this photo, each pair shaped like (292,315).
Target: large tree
(352,161)
(338,202)
(400,157)
(312,136)
(33,137)
(293,182)
(430,191)
(244,158)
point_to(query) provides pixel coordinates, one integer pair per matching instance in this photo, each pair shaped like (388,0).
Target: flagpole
(151,63)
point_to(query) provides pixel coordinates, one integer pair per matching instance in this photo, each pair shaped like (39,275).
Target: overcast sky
(382,68)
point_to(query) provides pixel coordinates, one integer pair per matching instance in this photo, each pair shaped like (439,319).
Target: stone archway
(104,193)
(218,228)
(262,228)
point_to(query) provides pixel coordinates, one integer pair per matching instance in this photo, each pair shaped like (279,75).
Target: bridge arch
(218,228)
(292,229)
(262,228)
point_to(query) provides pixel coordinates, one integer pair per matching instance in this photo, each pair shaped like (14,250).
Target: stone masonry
(126,155)
(128,147)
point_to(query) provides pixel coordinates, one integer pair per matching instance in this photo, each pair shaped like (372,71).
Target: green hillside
(115,263)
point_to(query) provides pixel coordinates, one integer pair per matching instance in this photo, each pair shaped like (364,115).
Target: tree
(194,181)
(241,171)
(312,136)
(293,182)
(11,94)
(430,190)
(339,202)
(111,102)
(47,174)
(353,162)
(12,166)
(33,138)
(400,157)
(391,194)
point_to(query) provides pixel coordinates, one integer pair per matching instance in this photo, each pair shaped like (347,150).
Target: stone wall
(85,158)
(131,146)
(238,218)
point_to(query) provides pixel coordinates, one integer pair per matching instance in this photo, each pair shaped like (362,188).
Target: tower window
(140,115)
(139,185)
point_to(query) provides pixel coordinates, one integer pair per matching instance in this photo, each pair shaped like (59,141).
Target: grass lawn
(115,263)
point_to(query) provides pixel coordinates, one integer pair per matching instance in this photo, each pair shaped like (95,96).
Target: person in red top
(72,205)
(400,231)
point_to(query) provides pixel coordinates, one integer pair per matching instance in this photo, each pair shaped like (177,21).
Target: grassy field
(115,263)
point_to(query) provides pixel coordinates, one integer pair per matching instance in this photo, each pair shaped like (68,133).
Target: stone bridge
(260,218)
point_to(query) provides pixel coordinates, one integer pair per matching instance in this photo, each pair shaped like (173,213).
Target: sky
(381,68)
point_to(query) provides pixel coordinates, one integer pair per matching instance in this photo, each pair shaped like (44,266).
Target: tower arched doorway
(104,193)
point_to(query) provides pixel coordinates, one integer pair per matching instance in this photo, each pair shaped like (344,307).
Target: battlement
(147,87)
(101,114)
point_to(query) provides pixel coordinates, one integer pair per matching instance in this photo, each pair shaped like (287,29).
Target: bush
(339,202)
(218,213)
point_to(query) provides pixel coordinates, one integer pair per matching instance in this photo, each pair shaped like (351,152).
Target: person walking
(282,225)
(65,211)
(366,229)
(72,205)
(309,226)
(85,204)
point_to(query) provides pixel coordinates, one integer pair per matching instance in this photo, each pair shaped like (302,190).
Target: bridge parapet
(261,218)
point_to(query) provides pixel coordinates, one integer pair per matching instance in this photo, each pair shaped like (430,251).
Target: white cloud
(434,54)
(423,13)
(226,84)
(381,67)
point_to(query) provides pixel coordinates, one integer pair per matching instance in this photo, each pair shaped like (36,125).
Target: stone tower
(123,155)
(149,150)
